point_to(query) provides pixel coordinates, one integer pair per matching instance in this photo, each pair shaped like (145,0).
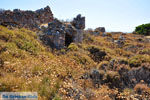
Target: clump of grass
(73,47)
(6,34)
(109,34)
(103,65)
(113,78)
(145,51)
(96,54)
(82,58)
(137,60)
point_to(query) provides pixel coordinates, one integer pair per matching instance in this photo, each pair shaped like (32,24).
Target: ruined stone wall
(28,19)
(59,34)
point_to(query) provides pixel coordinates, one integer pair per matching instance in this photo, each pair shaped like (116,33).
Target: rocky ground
(110,66)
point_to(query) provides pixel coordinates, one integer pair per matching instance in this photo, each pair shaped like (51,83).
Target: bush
(103,65)
(141,88)
(113,78)
(145,51)
(143,29)
(96,54)
(73,47)
(137,60)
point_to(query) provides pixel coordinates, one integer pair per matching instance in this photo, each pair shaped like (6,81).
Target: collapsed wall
(27,19)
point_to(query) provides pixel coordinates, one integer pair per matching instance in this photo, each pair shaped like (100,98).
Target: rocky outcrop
(27,19)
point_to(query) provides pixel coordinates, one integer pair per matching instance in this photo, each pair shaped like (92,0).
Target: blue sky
(114,15)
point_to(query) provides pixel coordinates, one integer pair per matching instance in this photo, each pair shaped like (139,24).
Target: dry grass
(27,65)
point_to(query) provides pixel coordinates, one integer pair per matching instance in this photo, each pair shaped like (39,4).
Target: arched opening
(68,40)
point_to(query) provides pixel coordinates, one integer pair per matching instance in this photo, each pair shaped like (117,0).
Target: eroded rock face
(27,19)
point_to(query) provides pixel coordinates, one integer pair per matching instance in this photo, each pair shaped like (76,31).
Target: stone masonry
(27,19)
(60,34)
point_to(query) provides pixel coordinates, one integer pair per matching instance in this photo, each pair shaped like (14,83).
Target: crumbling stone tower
(79,24)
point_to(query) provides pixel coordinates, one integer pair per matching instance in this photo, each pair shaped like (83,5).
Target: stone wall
(27,19)
(60,34)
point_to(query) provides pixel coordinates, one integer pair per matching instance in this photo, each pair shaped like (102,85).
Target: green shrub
(6,34)
(96,54)
(143,29)
(73,47)
(5,88)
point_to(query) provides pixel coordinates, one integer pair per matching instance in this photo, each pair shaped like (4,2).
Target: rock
(120,41)
(104,34)
(100,29)
(96,77)
(134,76)
(122,38)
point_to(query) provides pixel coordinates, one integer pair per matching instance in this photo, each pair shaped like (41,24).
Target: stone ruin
(27,19)
(57,34)
(60,34)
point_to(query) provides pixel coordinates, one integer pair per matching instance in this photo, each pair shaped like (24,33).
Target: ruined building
(57,34)
(60,34)
(27,19)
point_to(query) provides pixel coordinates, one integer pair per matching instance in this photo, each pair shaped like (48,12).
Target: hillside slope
(101,68)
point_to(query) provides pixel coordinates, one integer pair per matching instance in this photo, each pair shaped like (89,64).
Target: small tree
(143,29)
